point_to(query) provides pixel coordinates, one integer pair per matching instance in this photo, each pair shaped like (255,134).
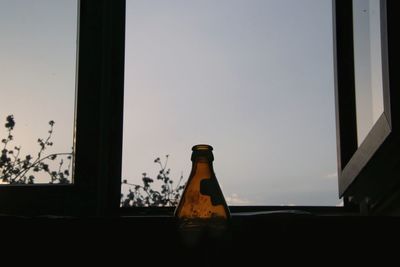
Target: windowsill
(243,228)
(255,211)
(268,221)
(237,213)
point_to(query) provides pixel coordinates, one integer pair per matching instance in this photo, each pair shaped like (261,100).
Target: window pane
(254,79)
(368,65)
(37,66)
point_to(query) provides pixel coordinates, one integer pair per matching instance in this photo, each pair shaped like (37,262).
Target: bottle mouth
(202,147)
(202,151)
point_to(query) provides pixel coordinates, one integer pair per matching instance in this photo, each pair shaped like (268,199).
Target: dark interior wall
(251,241)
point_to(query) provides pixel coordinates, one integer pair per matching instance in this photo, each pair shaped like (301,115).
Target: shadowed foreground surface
(158,240)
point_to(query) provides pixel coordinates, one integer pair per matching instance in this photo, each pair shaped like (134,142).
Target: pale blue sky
(37,70)
(253,78)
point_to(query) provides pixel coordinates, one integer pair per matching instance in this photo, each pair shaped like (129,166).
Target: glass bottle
(202,199)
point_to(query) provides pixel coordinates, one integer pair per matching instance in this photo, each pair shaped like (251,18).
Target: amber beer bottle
(202,199)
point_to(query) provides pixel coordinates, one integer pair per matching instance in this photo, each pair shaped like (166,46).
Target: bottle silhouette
(202,199)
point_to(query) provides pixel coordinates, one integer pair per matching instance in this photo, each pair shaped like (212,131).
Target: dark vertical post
(100,104)
(346,121)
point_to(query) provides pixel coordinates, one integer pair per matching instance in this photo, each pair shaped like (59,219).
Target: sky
(37,70)
(252,78)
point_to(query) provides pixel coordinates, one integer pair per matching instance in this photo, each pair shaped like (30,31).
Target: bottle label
(210,187)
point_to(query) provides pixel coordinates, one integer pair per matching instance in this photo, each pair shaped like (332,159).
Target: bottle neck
(202,165)
(202,160)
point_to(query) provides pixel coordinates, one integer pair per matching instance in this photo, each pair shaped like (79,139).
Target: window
(367,65)
(368,170)
(365,101)
(38,66)
(254,79)
(98,107)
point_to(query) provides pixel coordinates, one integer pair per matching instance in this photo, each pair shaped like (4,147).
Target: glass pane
(254,79)
(368,64)
(37,66)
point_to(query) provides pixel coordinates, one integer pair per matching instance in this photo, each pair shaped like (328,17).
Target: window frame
(98,123)
(367,171)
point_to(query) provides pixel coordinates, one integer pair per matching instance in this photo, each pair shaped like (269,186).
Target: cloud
(331,175)
(235,199)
